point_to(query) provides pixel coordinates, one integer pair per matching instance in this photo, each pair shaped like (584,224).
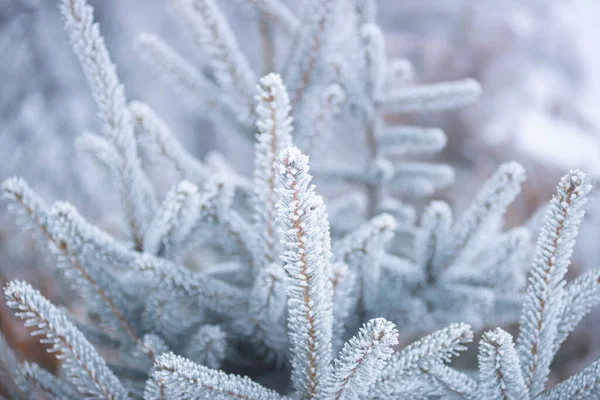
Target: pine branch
(228,64)
(434,97)
(307,260)
(500,372)
(361,360)
(318,118)
(42,384)
(267,309)
(175,221)
(165,144)
(343,282)
(274,125)
(136,193)
(309,46)
(81,364)
(431,239)
(430,351)
(207,346)
(420,179)
(489,205)
(411,140)
(580,296)
(210,293)
(584,385)
(545,294)
(28,204)
(175,71)
(373,45)
(181,378)
(363,250)
(451,383)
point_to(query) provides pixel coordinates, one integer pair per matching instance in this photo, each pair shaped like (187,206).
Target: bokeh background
(537,60)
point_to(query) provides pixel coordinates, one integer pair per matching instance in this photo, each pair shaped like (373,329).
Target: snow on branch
(82,366)
(157,135)
(307,258)
(540,315)
(180,377)
(361,360)
(433,97)
(501,376)
(137,196)
(274,125)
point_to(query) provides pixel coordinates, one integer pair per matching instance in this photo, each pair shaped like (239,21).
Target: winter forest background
(537,62)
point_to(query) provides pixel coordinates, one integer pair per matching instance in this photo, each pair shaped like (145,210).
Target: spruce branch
(182,378)
(165,144)
(361,360)
(540,314)
(274,125)
(434,97)
(307,258)
(81,364)
(136,193)
(501,377)
(580,296)
(423,354)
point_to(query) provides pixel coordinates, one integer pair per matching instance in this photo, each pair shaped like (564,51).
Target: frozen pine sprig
(361,360)
(207,346)
(581,386)
(580,296)
(82,365)
(38,382)
(137,196)
(425,354)
(431,238)
(266,323)
(307,55)
(181,378)
(318,119)
(549,311)
(501,376)
(219,45)
(274,125)
(307,258)
(375,59)
(545,293)
(363,251)
(175,221)
(487,208)
(411,140)
(439,96)
(28,205)
(155,134)
(170,67)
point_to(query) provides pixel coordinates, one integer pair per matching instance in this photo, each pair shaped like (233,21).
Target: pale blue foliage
(247,276)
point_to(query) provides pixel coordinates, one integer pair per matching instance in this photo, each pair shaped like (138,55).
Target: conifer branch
(541,310)
(307,260)
(82,365)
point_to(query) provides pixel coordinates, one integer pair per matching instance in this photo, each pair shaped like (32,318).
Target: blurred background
(537,60)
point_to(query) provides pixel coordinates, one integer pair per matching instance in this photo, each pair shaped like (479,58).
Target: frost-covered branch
(541,310)
(81,364)
(361,360)
(182,378)
(274,125)
(136,193)
(307,258)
